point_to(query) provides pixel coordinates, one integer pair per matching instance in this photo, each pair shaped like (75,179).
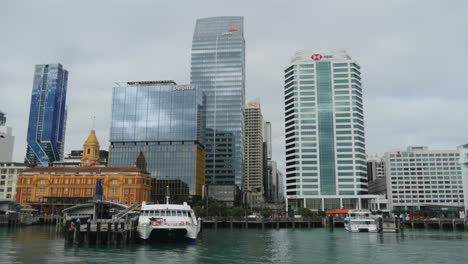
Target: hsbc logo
(316,57)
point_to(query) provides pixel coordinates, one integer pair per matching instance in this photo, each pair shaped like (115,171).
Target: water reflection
(40,244)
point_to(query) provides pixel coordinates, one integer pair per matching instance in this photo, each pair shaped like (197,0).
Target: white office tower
(463,151)
(325,142)
(7,140)
(422,177)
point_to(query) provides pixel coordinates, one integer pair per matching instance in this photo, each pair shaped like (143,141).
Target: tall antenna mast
(93,118)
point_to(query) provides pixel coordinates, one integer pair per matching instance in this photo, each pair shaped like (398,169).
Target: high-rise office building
(376,175)
(325,143)
(162,121)
(218,68)
(47,115)
(7,140)
(419,176)
(254,163)
(463,152)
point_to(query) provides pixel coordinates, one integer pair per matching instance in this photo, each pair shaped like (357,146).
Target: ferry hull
(150,233)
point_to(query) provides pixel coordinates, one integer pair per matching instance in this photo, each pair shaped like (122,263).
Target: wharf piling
(441,224)
(263,223)
(99,233)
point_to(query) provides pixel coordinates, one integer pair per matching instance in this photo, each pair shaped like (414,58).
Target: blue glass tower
(47,115)
(218,68)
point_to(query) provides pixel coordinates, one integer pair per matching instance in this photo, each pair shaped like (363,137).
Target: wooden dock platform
(262,222)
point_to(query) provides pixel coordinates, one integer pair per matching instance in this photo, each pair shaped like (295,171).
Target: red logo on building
(316,57)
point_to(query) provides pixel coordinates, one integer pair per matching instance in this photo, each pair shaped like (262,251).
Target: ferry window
(189,214)
(174,213)
(157,213)
(179,213)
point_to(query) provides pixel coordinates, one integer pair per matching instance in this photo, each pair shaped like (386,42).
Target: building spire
(91,151)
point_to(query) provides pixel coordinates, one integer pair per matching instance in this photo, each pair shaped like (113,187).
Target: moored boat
(360,221)
(167,222)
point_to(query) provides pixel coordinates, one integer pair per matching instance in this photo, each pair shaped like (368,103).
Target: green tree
(238,212)
(266,212)
(305,212)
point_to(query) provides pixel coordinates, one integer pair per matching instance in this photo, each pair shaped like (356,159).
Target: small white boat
(360,221)
(167,222)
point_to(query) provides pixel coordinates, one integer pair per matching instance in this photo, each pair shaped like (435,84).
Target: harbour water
(40,244)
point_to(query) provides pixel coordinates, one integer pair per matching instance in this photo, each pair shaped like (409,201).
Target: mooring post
(440,224)
(263,223)
(76,233)
(380,225)
(277,223)
(131,231)
(88,232)
(98,233)
(331,224)
(246,222)
(294,222)
(67,231)
(109,234)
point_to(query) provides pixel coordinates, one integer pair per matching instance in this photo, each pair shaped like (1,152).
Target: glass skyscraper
(164,122)
(218,68)
(325,143)
(47,115)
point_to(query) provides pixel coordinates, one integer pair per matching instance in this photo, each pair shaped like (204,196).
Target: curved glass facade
(218,68)
(47,115)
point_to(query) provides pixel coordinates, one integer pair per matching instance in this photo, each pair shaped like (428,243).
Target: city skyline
(400,68)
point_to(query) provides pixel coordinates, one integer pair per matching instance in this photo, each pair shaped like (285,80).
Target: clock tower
(91,151)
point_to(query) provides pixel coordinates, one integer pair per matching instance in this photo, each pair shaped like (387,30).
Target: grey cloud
(413,55)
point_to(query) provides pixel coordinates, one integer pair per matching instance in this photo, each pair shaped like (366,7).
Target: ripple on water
(40,244)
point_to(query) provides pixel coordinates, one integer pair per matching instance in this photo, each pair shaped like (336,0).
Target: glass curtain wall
(47,116)
(218,68)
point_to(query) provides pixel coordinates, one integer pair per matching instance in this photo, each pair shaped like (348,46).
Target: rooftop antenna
(93,118)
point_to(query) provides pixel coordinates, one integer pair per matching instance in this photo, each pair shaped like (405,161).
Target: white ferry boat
(167,222)
(360,221)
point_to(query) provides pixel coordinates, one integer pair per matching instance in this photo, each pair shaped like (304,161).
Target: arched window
(89,151)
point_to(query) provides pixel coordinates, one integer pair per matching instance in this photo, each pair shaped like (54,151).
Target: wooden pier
(262,222)
(441,224)
(101,233)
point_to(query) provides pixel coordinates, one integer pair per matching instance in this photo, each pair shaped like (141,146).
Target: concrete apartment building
(254,163)
(419,176)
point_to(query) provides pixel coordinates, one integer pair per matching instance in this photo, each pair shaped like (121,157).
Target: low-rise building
(53,189)
(8,177)
(419,176)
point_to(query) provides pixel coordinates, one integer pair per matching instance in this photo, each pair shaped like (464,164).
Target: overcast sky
(413,55)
